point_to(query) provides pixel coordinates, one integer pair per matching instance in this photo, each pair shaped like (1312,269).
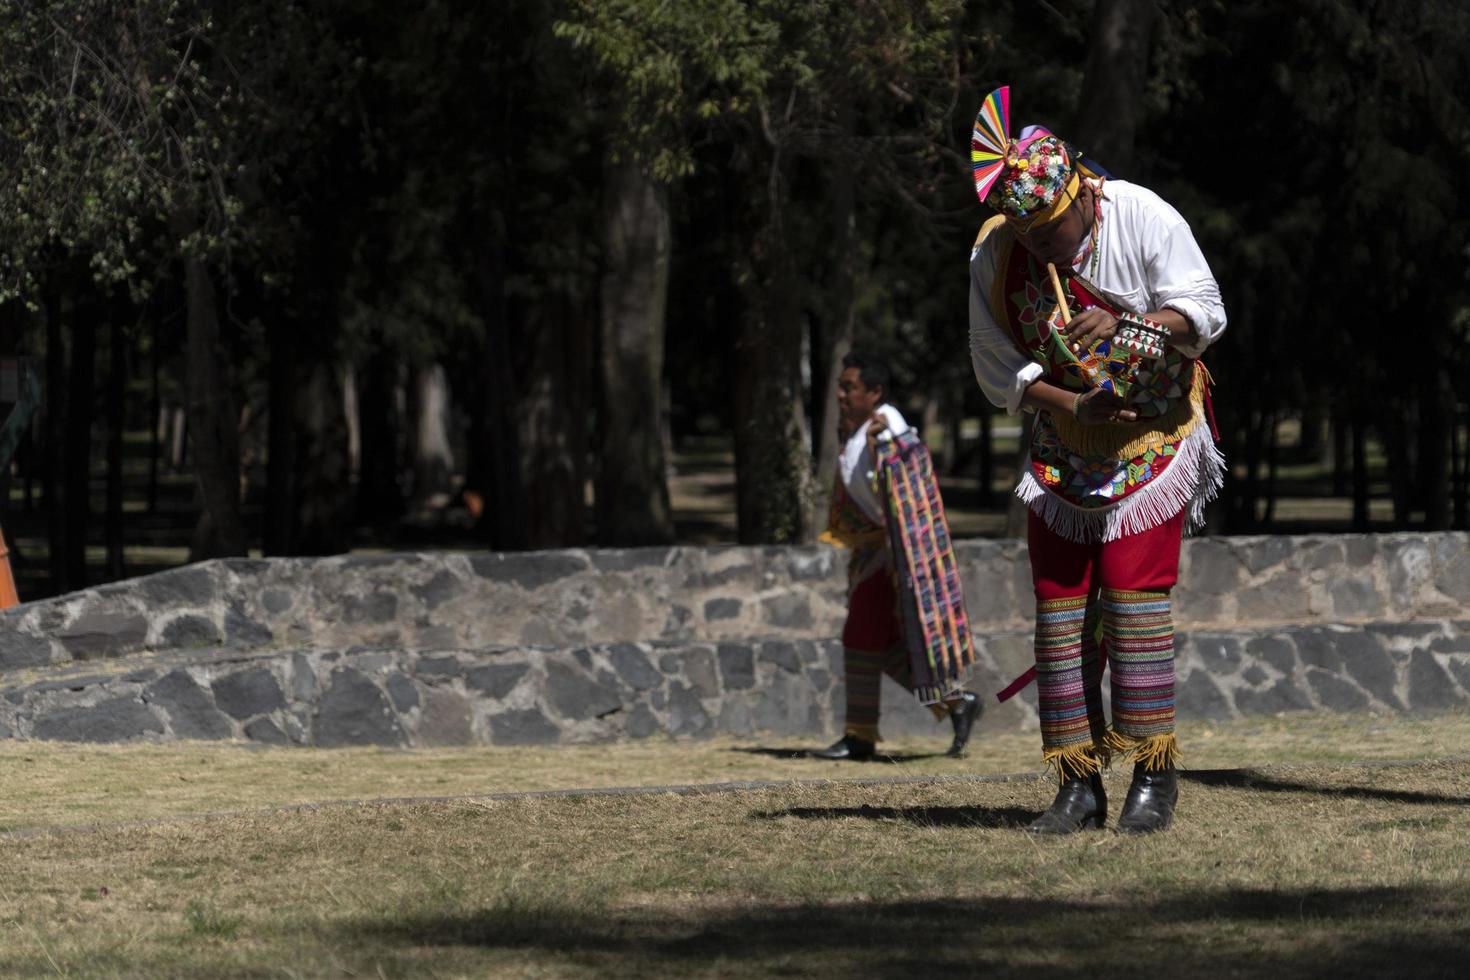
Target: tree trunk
(116,416)
(82,379)
(832,334)
(772,450)
(553,414)
(323,506)
(214,438)
(379,496)
(1113,81)
(281,451)
(433,460)
(54,460)
(1436,423)
(499,477)
(1360,469)
(632,497)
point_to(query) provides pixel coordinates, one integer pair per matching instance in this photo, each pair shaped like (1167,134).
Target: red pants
(1122,587)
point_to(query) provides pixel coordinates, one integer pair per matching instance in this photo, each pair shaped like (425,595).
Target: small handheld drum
(1112,362)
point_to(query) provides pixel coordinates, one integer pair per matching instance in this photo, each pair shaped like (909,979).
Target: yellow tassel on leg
(1083,759)
(1151,751)
(868,733)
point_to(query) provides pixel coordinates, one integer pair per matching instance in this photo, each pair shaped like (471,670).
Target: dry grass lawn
(1317,869)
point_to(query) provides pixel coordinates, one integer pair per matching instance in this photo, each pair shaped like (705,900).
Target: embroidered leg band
(1139,632)
(1068,687)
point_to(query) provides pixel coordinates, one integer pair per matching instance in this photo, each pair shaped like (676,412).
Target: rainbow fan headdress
(1030,180)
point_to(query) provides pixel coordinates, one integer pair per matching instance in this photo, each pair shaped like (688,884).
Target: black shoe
(1151,799)
(848,747)
(1080,804)
(962,715)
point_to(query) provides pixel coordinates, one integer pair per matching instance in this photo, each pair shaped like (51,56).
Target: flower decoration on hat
(1030,179)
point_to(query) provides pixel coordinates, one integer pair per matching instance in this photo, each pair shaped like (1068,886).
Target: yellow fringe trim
(1083,759)
(1135,438)
(868,733)
(940,710)
(1151,752)
(853,539)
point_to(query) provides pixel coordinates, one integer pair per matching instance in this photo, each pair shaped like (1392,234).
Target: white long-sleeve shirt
(856,463)
(1147,260)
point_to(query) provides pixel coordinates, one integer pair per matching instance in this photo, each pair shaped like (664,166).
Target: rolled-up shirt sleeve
(1180,279)
(1003,372)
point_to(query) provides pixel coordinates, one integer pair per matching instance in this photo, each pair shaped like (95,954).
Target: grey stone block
(303,679)
(1219,653)
(247,693)
(1278,651)
(104,634)
(734,718)
(1324,556)
(676,624)
(1267,552)
(375,607)
(526,727)
(266,732)
(438,590)
(190,632)
(439,667)
(782,654)
(191,713)
(641,722)
(402,692)
(1199,697)
(1451,644)
(529,570)
(686,714)
(1430,687)
(718,609)
(277,601)
(1282,696)
(629,559)
(1334,692)
(192,585)
(633,667)
(575,695)
(737,666)
(445,719)
(495,680)
(113,720)
(1370,665)
(788,611)
(245,633)
(809,565)
(783,706)
(1319,648)
(1213,567)
(22,649)
(1452,566)
(1281,600)
(698,668)
(1355,597)
(353,711)
(1254,675)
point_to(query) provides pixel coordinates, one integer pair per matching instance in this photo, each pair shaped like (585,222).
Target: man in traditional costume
(1090,304)
(874,639)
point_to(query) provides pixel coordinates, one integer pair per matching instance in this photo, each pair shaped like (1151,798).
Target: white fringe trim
(1193,478)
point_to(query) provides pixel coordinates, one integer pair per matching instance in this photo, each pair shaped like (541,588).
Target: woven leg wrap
(1139,630)
(1069,687)
(863,672)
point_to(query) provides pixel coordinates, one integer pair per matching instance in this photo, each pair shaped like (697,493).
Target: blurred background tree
(546,273)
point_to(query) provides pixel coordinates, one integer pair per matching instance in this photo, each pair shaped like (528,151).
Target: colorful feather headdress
(1030,180)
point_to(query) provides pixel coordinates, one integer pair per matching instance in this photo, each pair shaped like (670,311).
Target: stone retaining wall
(571,598)
(790,689)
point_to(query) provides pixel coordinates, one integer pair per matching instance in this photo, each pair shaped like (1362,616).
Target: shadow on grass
(782,752)
(1347,932)
(1249,779)
(923,816)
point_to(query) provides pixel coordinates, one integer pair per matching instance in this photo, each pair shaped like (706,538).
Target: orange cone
(8,595)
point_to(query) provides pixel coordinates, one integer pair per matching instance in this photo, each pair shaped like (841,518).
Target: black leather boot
(1151,799)
(963,715)
(1080,804)
(848,748)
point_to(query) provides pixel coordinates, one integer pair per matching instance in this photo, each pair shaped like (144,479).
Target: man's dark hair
(873,371)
